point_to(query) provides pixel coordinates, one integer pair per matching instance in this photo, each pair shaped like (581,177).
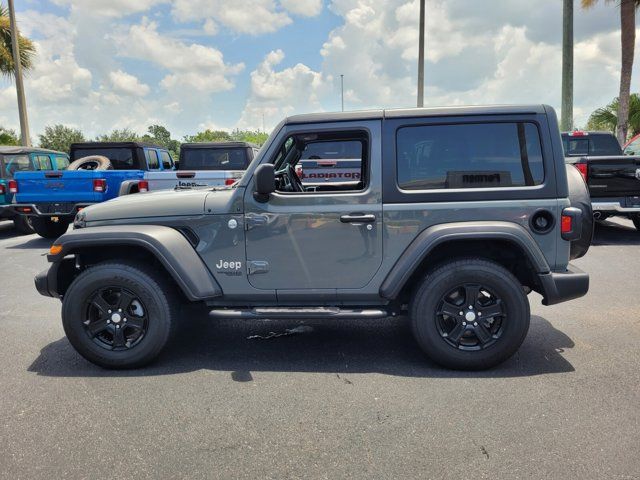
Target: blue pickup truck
(14,160)
(98,171)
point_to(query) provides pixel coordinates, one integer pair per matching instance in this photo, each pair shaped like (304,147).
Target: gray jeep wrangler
(457,215)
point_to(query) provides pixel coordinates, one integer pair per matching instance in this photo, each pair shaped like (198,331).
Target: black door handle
(358,218)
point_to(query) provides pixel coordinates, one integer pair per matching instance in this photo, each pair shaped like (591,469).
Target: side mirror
(265,180)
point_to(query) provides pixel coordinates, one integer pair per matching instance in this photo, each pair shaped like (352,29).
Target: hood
(164,203)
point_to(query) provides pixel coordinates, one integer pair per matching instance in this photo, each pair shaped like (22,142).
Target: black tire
(91,162)
(23,224)
(156,298)
(507,331)
(47,228)
(579,197)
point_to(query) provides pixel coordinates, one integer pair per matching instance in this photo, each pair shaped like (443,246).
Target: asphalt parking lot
(338,400)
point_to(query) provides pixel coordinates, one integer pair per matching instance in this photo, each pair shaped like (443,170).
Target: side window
(62,162)
(43,162)
(477,155)
(152,159)
(167,162)
(323,162)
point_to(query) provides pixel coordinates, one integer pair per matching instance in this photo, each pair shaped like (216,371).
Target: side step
(299,312)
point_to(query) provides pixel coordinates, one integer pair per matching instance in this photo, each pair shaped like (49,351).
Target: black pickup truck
(613,178)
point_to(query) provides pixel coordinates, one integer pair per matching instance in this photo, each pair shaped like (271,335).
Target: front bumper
(560,287)
(613,207)
(63,210)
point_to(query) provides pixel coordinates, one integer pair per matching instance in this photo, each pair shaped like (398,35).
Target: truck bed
(611,176)
(185,179)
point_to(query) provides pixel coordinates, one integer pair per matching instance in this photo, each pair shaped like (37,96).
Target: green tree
(60,137)
(208,136)
(627,41)
(251,136)
(159,135)
(119,135)
(606,118)
(27,48)
(8,137)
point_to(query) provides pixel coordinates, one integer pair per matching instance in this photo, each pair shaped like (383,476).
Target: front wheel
(47,228)
(119,315)
(470,314)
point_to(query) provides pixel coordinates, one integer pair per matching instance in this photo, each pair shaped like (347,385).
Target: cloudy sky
(194,64)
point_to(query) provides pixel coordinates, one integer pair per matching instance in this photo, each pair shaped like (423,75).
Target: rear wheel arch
(504,243)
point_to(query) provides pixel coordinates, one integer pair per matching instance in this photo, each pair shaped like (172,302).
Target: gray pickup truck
(613,178)
(458,214)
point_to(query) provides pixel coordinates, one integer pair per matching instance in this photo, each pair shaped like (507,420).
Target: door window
(152,159)
(322,162)
(61,161)
(167,162)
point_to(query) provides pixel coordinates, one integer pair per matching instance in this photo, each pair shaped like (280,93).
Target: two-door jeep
(457,215)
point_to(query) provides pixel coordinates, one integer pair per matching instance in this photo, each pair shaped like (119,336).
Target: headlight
(79,221)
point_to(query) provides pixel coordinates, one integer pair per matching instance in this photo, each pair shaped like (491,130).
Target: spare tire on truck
(579,198)
(92,162)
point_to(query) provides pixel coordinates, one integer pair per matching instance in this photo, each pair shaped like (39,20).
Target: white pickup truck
(330,162)
(205,164)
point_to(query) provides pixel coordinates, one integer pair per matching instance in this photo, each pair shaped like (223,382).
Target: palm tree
(566,120)
(27,48)
(628,41)
(606,118)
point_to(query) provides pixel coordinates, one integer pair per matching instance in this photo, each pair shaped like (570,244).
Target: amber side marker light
(55,249)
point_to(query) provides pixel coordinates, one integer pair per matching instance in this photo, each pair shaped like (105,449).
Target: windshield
(15,163)
(214,159)
(121,158)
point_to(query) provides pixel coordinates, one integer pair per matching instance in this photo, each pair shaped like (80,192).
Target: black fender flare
(435,235)
(166,244)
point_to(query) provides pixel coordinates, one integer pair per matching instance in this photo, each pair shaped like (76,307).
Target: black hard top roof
(13,150)
(218,145)
(418,112)
(115,145)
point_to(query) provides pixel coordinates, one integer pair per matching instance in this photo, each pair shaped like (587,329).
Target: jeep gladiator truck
(24,159)
(459,213)
(99,171)
(205,164)
(613,178)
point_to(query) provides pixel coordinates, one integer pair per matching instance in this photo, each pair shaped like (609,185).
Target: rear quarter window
(214,159)
(15,163)
(467,156)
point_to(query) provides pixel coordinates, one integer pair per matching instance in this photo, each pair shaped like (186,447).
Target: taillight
(566,225)
(13,186)
(230,181)
(578,133)
(583,168)
(143,186)
(2,189)
(99,185)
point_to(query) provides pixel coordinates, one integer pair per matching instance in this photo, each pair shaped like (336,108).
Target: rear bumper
(613,207)
(48,209)
(559,287)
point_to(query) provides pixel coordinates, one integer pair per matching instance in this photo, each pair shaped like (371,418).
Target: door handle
(185,174)
(358,218)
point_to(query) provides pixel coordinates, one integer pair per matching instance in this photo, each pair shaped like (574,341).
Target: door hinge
(257,266)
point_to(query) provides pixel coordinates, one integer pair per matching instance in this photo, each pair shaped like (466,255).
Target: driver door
(322,239)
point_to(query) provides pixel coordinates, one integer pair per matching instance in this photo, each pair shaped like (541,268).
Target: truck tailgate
(58,186)
(613,176)
(185,179)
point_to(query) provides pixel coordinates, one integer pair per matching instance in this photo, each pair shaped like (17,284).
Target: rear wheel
(47,228)
(23,224)
(470,314)
(119,315)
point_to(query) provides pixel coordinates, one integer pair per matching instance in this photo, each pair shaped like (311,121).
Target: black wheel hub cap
(115,318)
(470,317)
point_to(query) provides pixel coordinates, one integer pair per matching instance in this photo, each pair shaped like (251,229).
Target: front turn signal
(55,249)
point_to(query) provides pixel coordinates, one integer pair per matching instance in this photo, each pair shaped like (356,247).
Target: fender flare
(435,235)
(166,244)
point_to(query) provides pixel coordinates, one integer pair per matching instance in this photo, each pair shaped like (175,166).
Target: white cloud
(304,8)
(127,84)
(110,8)
(192,66)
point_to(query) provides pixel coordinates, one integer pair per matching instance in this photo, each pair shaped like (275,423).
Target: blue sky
(194,64)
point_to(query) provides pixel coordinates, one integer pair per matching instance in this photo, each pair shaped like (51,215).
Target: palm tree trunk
(628,41)
(566,119)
